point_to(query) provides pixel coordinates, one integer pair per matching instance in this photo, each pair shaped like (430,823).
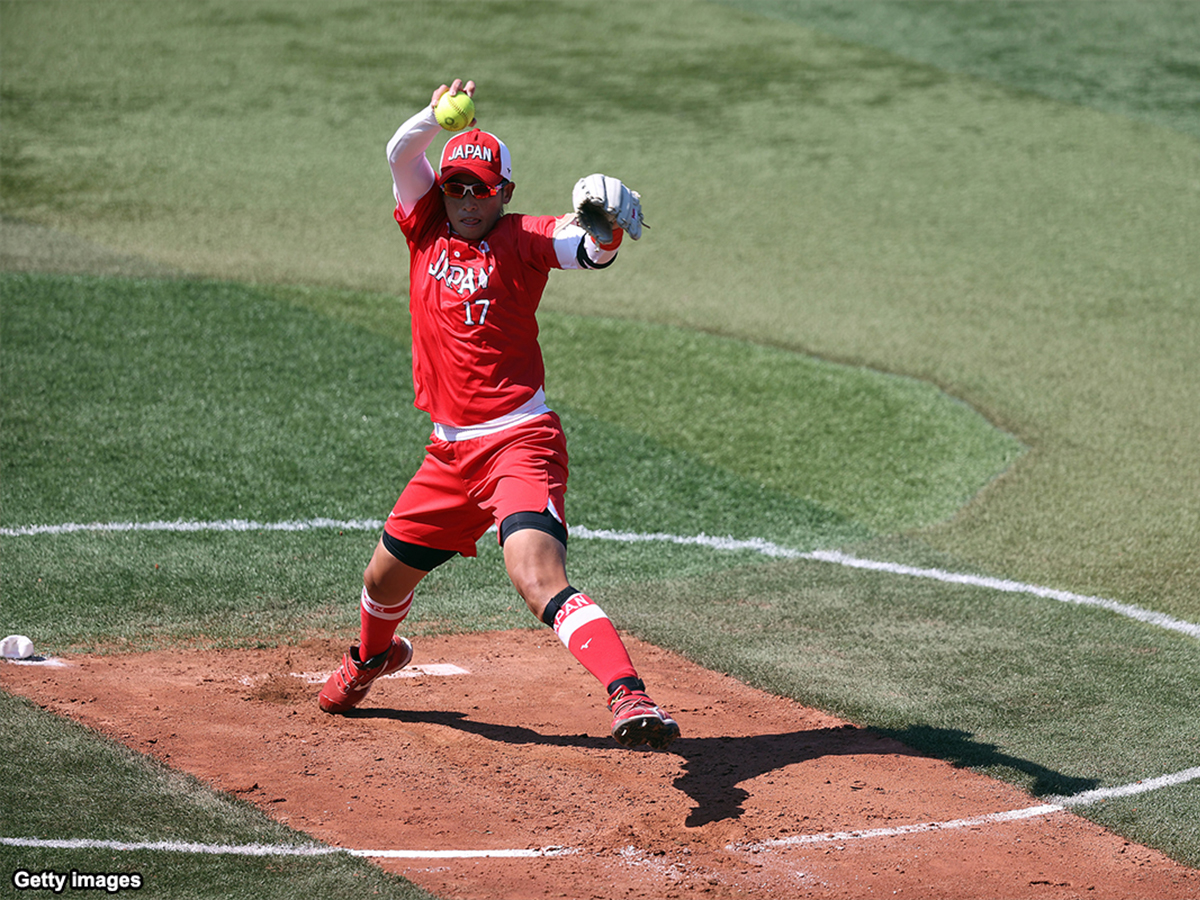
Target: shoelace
(631,701)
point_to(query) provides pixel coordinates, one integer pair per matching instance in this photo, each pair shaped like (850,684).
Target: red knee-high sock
(379,623)
(589,634)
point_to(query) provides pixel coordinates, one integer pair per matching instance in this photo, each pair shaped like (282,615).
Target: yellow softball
(455,112)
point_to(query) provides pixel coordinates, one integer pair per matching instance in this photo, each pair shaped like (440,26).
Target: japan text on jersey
(464,279)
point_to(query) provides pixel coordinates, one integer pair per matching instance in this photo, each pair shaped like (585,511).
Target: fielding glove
(602,202)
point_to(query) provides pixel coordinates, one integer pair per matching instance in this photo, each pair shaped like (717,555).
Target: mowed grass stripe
(221,401)
(896,214)
(1127,57)
(158,400)
(934,224)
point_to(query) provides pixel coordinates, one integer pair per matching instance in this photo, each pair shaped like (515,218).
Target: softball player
(497,455)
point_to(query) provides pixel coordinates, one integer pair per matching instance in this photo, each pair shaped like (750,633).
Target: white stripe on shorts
(531,409)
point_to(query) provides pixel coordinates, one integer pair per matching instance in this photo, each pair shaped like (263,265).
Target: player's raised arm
(412,174)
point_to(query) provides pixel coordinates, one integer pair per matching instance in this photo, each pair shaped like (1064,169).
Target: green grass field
(920,284)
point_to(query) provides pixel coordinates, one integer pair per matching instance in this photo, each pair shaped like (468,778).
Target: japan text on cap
(476,153)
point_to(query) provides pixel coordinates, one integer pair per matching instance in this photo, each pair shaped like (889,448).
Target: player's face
(473,217)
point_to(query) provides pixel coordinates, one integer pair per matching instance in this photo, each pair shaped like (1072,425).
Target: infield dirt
(513,752)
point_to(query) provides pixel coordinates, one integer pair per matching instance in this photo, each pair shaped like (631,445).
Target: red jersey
(473,305)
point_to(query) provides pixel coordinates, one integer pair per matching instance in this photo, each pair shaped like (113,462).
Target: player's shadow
(958,748)
(714,768)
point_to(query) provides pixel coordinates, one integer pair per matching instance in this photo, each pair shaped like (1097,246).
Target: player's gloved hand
(601,203)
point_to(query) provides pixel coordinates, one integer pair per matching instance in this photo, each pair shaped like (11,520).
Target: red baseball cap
(476,153)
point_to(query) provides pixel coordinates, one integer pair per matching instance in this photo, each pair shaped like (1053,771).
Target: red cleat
(349,684)
(637,721)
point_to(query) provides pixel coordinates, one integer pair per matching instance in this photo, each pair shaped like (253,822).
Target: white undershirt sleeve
(412,175)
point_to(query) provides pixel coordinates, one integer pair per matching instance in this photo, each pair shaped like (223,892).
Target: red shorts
(463,488)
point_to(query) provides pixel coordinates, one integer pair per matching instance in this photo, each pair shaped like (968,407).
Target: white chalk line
(436,670)
(1056,805)
(1150,617)
(279,849)
(767,548)
(49,661)
(182,526)
(757,545)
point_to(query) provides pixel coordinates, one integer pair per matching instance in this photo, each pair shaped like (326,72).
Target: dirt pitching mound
(500,742)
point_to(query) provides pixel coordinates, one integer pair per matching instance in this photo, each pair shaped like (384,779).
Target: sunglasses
(479,190)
